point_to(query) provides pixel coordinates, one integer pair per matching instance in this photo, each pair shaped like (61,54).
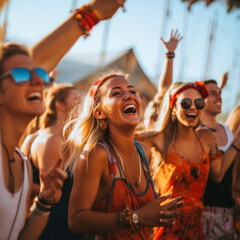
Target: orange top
(122,195)
(180,177)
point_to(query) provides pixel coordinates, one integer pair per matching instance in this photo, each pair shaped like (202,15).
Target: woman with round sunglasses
(183,157)
(113,194)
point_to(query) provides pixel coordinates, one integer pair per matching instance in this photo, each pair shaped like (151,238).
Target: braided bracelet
(170,54)
(39,209)
(86,18)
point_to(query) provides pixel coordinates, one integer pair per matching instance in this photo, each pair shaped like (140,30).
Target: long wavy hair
(167,124)
(52,94)
(83,131)
(233,120)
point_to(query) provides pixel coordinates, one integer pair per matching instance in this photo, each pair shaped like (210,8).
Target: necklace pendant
(137,184)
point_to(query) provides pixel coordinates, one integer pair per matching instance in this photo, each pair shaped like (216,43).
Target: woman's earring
(173,117)
(103,124)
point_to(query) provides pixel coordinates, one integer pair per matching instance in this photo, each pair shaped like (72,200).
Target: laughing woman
(183,157)
(113,193)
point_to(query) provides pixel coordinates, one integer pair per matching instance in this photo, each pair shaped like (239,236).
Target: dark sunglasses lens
(199,103)
(186,103)
(43,74)
(21,75)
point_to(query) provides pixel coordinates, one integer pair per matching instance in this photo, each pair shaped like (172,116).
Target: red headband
(94,89)
(202,89)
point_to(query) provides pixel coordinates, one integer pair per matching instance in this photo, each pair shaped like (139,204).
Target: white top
(9,204)
(229,137)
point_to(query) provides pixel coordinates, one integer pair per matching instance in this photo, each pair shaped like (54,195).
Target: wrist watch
(135,218)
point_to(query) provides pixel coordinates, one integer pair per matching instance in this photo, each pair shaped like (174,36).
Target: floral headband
(202,89)
(94,89)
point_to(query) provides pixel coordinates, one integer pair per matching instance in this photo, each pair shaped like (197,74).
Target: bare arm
(35,224)
(166,80)
(48,52)
(219,166)
(236,180)
(87,187)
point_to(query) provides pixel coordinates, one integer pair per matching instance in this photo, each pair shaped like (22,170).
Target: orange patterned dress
(180,177)
(122,195)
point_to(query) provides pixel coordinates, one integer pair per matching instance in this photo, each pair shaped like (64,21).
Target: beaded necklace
(122,165)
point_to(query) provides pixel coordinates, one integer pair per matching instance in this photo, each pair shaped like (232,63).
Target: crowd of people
(76,165)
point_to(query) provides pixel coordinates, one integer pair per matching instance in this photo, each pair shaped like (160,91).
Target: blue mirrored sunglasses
(22,75)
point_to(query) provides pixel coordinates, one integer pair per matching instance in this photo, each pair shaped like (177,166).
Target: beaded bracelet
(125,220)
(86,18)
(39,209)
(170,54)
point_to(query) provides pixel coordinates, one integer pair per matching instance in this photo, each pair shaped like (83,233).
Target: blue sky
(140,28)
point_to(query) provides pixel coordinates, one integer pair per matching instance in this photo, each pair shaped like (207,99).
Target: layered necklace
(136,183)
(11,177)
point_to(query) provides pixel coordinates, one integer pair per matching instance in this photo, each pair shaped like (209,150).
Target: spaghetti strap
(145,163)
(200,143)
(112,162)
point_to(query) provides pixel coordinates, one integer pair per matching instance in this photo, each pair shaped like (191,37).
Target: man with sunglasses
(22,80)
(217,219)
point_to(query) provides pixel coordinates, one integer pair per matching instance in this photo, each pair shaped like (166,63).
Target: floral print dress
(180,177)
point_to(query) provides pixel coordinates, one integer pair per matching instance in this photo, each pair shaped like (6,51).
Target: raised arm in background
(50,50)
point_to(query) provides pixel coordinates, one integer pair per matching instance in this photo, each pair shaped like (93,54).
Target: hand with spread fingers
(105,9)
(173,41)
(52,182)
(160,214)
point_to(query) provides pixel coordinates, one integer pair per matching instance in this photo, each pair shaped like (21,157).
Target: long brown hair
(52,94)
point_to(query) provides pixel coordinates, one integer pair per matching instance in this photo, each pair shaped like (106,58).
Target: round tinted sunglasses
(22,75)
(186,103)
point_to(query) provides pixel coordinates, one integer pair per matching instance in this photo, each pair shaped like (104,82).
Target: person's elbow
(75,224)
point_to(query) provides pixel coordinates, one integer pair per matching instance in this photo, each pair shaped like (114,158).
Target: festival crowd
(77,165)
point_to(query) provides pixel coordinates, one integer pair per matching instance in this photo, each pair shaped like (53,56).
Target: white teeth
(218,104)
(129,106)
(191,114)
(37,95)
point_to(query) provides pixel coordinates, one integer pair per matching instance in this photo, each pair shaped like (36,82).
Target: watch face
(135,218)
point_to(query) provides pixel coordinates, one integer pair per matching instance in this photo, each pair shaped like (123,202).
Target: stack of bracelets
(41,206)
(170,54)
(126,219)
(86,18)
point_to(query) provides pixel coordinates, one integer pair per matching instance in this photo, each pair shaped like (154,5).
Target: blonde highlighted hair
(83,131)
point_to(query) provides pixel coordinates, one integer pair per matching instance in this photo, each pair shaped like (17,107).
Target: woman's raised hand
(106,8)
(158,214)
(52,182)
(173,41)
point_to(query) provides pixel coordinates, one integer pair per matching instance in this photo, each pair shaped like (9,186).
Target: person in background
(218,199)
(42,149)
(183,157)
(152,111)
(113,194)
(233,122)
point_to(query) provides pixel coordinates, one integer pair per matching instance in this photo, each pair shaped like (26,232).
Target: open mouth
(35,96)
(130,109)
(191,116)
